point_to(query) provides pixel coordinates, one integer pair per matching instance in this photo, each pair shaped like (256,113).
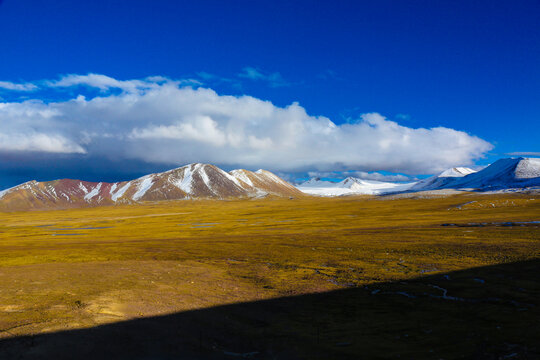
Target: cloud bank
(161,121)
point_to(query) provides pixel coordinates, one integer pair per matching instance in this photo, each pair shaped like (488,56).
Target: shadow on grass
(481,313)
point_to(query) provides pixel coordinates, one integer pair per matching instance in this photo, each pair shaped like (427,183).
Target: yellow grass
(79,268)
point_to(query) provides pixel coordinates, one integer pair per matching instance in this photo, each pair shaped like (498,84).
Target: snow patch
(51,190)
(27,186)
(242,176)
(4,192)
(185,183)
(205,178)
(144,186)
(83,188)
(325,191)
(120,192)
(230,177)
(351,186)
(93,193)
(528,168)
(268,176)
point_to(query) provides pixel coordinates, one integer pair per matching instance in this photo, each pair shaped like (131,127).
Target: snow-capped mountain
(207,181)
(457,172)
(503,174)
(350,186)
(190,181)
(439,181)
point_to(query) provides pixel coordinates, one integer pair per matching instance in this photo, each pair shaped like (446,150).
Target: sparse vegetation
(69,269)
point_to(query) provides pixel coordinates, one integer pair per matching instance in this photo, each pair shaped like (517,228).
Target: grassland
(77,269)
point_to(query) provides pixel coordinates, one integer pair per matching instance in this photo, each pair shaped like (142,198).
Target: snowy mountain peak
(456,172)
(441,180)
(316,181)
(242,175)
(527,168)
(190,167)
(350,186)
(195,180)
(511,173)
(263,179)
(349,181)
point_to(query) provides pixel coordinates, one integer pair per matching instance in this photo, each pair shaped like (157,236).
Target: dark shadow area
(481,313)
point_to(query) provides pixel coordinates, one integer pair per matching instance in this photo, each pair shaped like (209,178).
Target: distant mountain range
(204,181)
(350,186)
(503,175)
(194,181)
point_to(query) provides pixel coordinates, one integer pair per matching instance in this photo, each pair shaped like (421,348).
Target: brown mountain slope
(188,182)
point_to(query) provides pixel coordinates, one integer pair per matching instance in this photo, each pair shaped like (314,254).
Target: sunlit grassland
(77,268)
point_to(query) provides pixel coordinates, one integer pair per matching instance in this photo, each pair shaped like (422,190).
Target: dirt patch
(86,294)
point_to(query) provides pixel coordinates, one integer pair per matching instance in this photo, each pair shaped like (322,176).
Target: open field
(356,277)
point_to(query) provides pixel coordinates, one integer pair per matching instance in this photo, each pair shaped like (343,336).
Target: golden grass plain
(80,268)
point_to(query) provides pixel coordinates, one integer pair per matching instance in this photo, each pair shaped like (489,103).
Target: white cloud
(158,120)
(33,126)
(273,79)
(199,128)
(104,82)
(38,142)
(7,85)
(252,73)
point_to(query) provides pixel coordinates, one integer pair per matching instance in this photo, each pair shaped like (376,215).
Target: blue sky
(469,66)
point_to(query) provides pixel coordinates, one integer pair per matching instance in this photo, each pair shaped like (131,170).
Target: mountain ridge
(442,179)
(192,181)
(503,174)
(510,174)
(206,181)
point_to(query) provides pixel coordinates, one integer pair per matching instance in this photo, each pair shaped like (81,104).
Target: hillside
(193,181)
(438,181)
(504,174)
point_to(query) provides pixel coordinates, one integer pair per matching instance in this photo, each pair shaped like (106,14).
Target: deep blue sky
(467,65)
